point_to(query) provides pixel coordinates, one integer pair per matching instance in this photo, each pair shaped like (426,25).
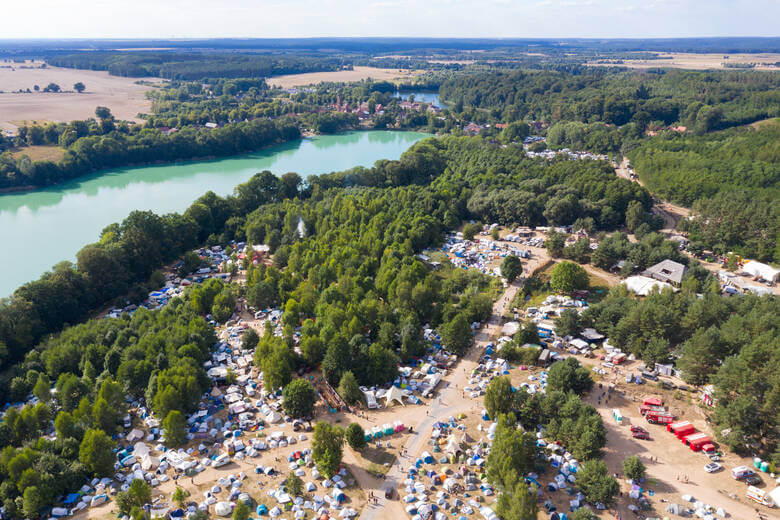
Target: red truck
(659,417)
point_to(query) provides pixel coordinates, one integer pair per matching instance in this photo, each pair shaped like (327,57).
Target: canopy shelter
(394,394)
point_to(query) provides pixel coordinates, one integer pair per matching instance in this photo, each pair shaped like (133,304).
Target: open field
(357,74)
(121,95)
(684,60)
(40,153)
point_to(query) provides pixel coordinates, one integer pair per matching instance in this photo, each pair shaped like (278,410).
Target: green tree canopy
(349,390)
(96,452)
(356,436)
(511,267)
(298,398)
(596,483)
(567,277)
(327,447)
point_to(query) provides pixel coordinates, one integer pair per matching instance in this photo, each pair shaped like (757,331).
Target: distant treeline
(409,45)
(125,145)
(194,66)
(701,100)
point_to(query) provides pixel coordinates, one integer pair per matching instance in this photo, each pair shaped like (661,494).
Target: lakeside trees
(107,147)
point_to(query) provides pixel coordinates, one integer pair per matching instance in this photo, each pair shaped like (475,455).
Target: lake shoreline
(29,188)
(73,213)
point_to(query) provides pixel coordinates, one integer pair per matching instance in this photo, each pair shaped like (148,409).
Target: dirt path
(449,403)
(671,213)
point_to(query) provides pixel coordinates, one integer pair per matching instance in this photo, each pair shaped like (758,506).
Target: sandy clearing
(671,459)
(359,73)
(123,96)
(683,60)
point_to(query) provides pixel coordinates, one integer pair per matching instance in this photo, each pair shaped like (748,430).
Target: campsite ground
(671,460)
(123,96)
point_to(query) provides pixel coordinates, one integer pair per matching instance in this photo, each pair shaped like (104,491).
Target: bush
(294,484)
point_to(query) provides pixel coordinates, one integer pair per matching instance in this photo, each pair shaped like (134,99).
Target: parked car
(712,467)
(714,456)
(641,435)
(637,429)
(389,492)
(753,480)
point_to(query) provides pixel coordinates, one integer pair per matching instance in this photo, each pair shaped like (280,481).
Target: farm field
(123,96)
(683,60)
(357,74)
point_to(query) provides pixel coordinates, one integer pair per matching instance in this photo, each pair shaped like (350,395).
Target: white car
(712,467)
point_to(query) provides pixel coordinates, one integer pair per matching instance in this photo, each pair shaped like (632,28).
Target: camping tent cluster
(323,505)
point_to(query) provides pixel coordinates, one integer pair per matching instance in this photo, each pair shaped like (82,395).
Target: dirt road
(671,213)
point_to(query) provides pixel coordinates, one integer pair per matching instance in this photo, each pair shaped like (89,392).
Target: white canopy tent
(394,394)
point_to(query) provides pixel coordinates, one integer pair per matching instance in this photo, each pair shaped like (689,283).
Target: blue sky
(435,18)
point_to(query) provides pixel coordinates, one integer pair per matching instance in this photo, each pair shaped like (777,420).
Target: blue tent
(261,509)
(72,498)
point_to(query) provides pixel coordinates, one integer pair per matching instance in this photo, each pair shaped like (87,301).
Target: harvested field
(40,153)
(357,74)
(684,60)
(123,96)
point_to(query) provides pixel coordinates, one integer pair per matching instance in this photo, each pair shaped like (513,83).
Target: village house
(667,271)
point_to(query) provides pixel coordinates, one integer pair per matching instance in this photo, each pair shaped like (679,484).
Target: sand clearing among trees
(123,96)
(357,74)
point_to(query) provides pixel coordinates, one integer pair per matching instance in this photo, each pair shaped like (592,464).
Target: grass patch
(379,460)
(39,153)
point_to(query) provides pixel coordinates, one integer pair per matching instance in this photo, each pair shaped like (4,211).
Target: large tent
(394,394)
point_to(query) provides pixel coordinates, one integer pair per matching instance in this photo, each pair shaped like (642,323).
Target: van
(649,375)
(760,496)
(221,460)
(741,472)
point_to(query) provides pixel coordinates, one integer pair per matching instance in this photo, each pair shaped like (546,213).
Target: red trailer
(655,417)
(697,440)
(653,400)
(681,429)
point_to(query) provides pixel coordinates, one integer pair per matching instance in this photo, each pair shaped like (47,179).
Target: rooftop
(666,271)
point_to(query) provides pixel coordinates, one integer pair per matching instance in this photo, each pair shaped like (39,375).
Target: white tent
(775,496)
(140,449)
(642,285)
(453,447)
(135,435)
(274,417)
(149,462)
(760,270)
(394,394)
(223,508)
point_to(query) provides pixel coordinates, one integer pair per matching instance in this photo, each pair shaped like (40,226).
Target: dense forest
(732,180)
(463,178)
(194,65)
(702,101)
